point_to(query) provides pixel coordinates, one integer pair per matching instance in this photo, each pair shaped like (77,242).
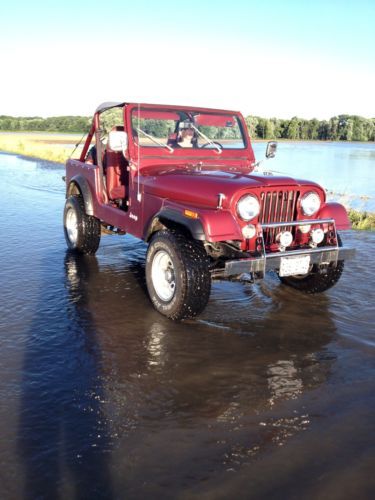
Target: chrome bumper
(320,256)
(271,261)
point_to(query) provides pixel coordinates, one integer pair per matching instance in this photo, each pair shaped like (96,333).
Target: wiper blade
(155,140)
(216,146)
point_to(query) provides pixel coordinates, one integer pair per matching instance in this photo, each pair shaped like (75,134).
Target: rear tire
(177,275)
(82,231)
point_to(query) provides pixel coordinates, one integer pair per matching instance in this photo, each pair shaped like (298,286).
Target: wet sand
(268,394)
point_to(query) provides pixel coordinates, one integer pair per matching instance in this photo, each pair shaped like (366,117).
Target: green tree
(349,130)
(313,129)
(252,122)
(293,129)
(261,128)
(323,130)
(333,129)
(359,129)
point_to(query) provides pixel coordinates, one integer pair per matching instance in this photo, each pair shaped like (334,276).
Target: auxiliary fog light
(285,238)
(317,236)
(249,231)
(305,228)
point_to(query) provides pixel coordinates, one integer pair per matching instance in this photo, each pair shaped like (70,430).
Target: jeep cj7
(182,179)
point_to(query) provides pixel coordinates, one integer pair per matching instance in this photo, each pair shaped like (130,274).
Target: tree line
(64,124)
(337,128)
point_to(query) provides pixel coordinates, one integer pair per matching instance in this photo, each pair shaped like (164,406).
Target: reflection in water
(162,375)
(155,345)
(283,381)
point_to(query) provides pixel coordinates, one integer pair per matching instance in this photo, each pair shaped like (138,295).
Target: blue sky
(270,58)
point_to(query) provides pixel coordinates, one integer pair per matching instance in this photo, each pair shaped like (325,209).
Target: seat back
(116,173)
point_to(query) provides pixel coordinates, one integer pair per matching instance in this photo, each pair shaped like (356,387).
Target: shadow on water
(62,431)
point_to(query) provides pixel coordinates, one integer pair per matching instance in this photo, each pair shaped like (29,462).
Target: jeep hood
(201,186)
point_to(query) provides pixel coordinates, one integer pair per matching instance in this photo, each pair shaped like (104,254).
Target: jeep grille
(277,206)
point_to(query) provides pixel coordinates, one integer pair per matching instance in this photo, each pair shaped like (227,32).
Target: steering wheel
(210,143)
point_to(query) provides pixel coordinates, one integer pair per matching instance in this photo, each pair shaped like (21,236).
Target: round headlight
(248,207)
(310,203)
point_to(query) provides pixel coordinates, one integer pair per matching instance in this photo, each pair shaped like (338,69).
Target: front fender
(209,225)
(337,212)
(220,225)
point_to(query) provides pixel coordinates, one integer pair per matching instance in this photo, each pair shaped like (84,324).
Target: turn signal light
(249,231)
(191,214)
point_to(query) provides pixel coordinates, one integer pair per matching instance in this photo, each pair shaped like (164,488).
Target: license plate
(290,266)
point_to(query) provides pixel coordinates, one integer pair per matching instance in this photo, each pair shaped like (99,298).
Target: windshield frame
(189,113)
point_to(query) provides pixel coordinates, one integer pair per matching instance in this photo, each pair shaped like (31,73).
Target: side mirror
(271,149)
(117,140)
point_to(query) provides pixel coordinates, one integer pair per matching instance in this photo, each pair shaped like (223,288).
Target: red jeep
(182,179)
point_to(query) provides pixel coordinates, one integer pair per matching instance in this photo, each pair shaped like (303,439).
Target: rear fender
(79,182)
(337,212)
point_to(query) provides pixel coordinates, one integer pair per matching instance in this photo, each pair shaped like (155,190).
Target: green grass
(362,220)
(51,147)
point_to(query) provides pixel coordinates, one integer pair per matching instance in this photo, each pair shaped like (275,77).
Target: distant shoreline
(58,147)
(78,135)
(38,146)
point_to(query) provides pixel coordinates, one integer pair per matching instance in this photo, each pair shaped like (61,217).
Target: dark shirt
(92,156)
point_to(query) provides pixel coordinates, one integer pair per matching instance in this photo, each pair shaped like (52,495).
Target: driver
(186,137)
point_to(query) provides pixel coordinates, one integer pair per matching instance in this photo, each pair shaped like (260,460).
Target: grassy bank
(362,220)
(51,147)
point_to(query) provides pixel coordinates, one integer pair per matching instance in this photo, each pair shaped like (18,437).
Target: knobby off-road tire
(82,231)
(316,281)
(177,275)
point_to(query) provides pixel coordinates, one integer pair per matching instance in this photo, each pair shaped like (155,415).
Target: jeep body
(182,179)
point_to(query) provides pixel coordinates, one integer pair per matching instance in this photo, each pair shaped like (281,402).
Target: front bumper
(320,256)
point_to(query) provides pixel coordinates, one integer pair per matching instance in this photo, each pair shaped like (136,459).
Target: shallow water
(268,394)
(345,169)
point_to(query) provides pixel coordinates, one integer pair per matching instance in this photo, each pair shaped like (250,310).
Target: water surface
(345,169)
(268,394)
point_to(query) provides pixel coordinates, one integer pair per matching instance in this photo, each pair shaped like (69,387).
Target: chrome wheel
(81,231)
(177,274)
(71,224)
(163,276)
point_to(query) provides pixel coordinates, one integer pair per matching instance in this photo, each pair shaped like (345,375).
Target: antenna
(139,196)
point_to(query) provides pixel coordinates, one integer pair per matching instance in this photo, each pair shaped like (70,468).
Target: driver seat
(116,172)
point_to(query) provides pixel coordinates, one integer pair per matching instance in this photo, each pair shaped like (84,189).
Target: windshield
(176,129)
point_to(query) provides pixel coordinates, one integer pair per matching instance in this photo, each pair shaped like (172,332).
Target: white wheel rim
(72,225)
(163,276)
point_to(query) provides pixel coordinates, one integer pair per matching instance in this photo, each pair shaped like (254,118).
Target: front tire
(318,280)
(82,231)
(177,275)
